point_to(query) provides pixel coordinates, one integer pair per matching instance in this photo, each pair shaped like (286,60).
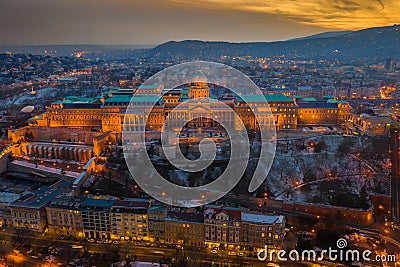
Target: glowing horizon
(156,21)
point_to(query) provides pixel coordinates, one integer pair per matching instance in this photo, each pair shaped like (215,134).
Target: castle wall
(3,163)
(14,167)
(53,134)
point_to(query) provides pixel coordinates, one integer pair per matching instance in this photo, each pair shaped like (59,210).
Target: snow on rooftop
(260,218)
(7,197)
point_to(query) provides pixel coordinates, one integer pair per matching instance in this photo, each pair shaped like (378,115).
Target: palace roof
(261,98)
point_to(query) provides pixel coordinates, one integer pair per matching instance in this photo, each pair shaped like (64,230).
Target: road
(124,249)
(142,253)
(389,235)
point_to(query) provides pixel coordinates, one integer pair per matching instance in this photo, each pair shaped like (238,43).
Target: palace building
(324,111)
(74,112)
(107,112)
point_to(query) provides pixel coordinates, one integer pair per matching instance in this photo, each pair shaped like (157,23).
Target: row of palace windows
(281,104)
(317,117)
(319,111)
(289,115)
(24,215)
(75,112)
(74,117)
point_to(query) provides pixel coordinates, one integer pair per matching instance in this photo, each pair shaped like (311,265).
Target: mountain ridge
(377,42)
(322,35)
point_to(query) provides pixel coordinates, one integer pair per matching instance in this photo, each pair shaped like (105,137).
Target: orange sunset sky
(24,22)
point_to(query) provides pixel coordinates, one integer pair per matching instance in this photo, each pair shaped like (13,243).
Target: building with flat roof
(129,219)
(64,216)
(184,228)
(6,198)
(29,212)
(222,226)
(260,230)
(96,219)
(156,223)
(371,125)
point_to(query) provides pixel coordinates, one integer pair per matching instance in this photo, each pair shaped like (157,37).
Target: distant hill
(372,43)
(322,35)
(67,50)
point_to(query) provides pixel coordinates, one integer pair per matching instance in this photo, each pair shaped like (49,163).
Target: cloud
(138,22)
(381,3)
(336,14)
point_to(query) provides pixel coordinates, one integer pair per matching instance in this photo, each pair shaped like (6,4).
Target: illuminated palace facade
(106,113)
